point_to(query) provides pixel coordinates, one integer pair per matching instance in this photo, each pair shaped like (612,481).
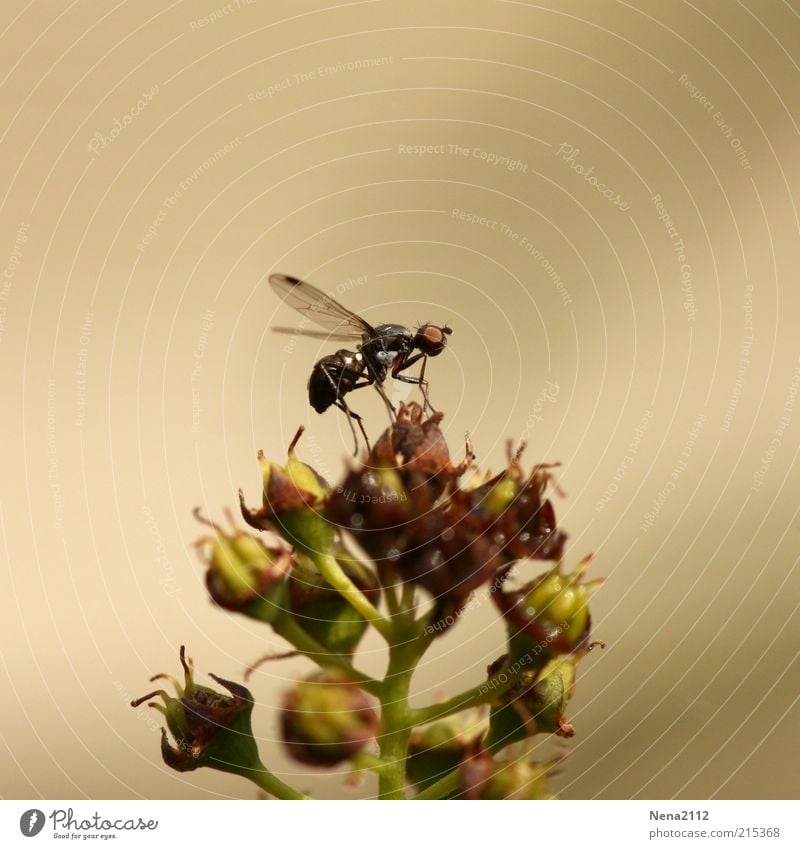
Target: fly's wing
(314,305)
(346,336)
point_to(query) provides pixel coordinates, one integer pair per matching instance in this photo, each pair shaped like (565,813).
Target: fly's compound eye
(432,340)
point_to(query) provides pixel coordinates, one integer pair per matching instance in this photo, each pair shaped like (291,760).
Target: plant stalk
(405,652)
(338,579)
(270,783)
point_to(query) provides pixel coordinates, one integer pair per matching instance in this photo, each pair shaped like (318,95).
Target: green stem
(392,603)
(337,578)
(473,697)
(287,628)
(395,723)
(404,654)
(368,761)
(408,601)
(270,783)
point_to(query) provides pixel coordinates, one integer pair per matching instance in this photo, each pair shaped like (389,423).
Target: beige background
(140,377)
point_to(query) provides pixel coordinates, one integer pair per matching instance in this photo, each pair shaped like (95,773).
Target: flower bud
(414,444)
(537,703)
(550,613)
(483,777)
(209,728)
(374,505)
(327,719)
(405,473)
(293,497)
(446,554)
(244,574)
(514,513)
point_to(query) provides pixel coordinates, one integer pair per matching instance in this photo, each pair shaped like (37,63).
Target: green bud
(558,600)
(243,573)
(293,497)
(500,495)
(483,777)
(548,616)
(537,703)
(327,719)
(305,478)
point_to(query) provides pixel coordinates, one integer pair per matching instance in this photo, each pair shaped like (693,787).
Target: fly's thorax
(389,342)
(392,337)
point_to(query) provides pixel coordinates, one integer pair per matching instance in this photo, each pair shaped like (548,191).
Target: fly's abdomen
(332,378)
(321,391)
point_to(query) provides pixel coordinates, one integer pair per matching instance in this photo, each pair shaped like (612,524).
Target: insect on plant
(388,349)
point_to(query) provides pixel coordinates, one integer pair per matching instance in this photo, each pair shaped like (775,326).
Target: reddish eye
(431,339)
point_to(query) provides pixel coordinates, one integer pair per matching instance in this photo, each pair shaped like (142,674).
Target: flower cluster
(400,544)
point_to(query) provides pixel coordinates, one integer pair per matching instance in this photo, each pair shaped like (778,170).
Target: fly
(388,349)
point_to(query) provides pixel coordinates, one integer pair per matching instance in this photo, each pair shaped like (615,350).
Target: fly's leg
(378,381)
(390,408)
(418,381)
(342,405)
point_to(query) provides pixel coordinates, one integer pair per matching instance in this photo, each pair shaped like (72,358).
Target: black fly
(387,349)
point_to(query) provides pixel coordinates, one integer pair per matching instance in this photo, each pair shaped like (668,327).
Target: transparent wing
(316,306)
(347,336)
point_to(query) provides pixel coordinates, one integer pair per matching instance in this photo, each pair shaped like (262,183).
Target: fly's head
(431,339)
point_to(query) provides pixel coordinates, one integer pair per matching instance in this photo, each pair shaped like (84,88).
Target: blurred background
(598,197)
